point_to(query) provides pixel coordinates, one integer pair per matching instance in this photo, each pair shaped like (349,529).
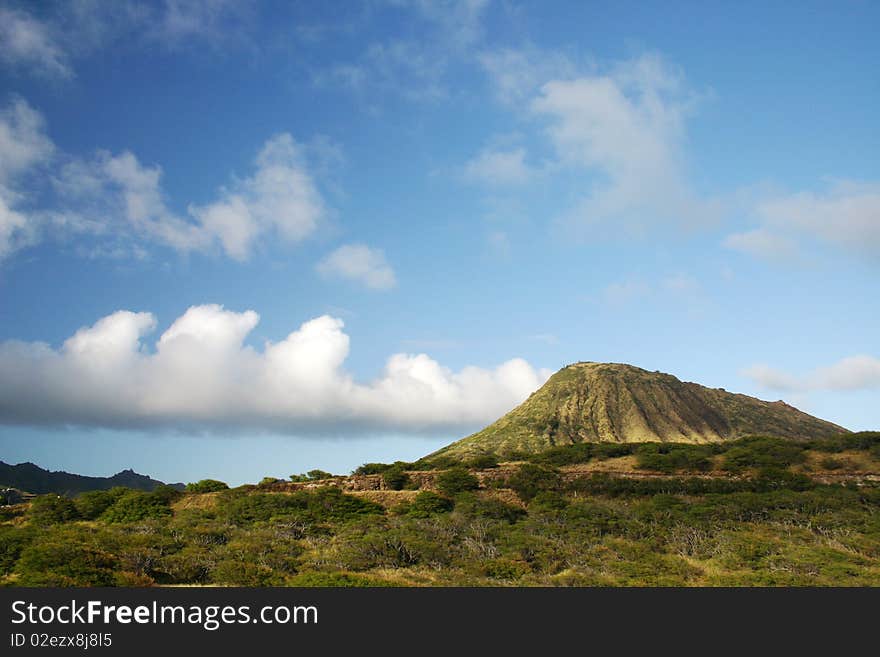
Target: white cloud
(763,243)
(281,198)
(847,215)
(67,31)
(358,262)
(518,74)
(626,128)
(15,229)
(498,167)
(29,43)
(851,373)
(23,147)
(201,373)
(23,140)
(118,197)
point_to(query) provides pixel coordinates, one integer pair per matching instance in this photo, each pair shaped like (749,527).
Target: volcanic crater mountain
(612,402)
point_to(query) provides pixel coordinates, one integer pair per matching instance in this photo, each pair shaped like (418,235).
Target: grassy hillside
(609,402)
(757,511)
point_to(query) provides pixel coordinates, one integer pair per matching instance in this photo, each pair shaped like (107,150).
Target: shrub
(428,504)
(474,505)
(12,541)
(206,486)
(763,452)
(456,480)
(319,579)
(483,462)
(136,506)
(92,504)
(315,475)
(371,468)
(671,457)
(50,509)
(395,479)
(243,573)
(268,481)
(830,463)
(531,479)
(65,563)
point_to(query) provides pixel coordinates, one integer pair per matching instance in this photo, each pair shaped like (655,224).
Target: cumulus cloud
(846,216)
(202,373)
(358,262)
(851,373)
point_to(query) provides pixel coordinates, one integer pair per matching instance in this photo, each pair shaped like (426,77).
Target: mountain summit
(612,402)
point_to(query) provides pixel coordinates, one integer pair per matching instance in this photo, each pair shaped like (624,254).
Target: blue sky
(247,239)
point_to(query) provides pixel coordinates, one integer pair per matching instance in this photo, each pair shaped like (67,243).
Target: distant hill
(34,479)
(611,402)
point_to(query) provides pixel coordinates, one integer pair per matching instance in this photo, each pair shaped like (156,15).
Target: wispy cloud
(851,373)
(845,216)
(28,43)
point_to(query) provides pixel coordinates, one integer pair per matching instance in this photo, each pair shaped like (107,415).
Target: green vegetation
(311,475)
(206,486)
(752,517)
(456,480)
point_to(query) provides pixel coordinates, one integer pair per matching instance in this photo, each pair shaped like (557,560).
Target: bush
(324,580)
(395,479)
(763,452)
(206,486)
(428,504)
(65,563)
(670,457)
(456,480)
(12,541)
(322,505)
(531,479)
(316,475)
(136,506)
(483,462)
(474,505)
(830,463)
(50,509)
(268,481)
(243,573)
(92,504)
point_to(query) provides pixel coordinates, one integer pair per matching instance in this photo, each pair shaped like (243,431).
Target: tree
(50,509)
(206,486)
(428,504)
(395,478)
(456,480)
(531,479)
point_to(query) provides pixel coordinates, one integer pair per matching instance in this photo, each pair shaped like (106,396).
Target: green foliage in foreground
(767,526)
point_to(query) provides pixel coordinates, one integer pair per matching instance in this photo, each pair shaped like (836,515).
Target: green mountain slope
(610,402)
